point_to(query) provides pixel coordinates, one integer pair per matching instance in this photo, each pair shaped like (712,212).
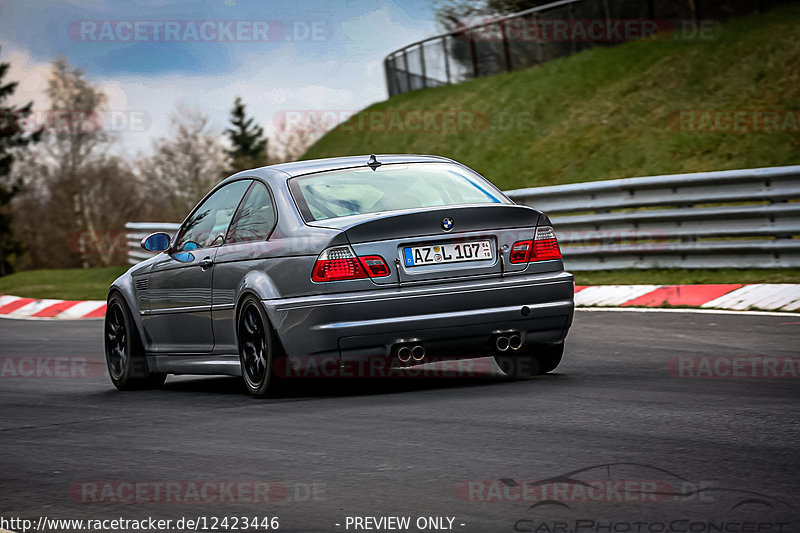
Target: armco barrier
(136,231)
(736,218)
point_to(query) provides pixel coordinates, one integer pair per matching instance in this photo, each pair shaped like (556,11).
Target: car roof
(299,168)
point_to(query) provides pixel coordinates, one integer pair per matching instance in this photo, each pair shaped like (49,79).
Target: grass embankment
(608,112)
(68,284)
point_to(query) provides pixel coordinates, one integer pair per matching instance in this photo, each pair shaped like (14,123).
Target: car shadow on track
(321,388)
(430,378)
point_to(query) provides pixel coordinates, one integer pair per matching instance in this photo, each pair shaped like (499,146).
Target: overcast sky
(150,56)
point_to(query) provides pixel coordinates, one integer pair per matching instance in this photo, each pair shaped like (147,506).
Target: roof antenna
(373,162)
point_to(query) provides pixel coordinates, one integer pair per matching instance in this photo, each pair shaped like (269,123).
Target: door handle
(206,263)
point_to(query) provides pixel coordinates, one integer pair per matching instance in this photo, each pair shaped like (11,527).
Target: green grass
(69,284)
(609,112)
(687,277)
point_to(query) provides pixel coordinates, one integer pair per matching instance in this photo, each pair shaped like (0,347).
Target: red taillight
(521,251)
(336,264)
(375,265)
(341,263)
(543,247)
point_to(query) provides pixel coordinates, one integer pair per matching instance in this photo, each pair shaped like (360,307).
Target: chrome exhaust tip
(501,343)
(404,354)
(418,352)
(515,342)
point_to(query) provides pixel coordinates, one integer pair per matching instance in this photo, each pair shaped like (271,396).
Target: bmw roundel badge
(447,224)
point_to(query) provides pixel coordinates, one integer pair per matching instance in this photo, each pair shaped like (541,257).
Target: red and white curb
(17,307)
(761,297)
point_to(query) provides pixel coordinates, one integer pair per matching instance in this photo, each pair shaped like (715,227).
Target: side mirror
(156,242)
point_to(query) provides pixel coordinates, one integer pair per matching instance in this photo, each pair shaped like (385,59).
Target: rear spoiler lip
(350,221)
(375,226)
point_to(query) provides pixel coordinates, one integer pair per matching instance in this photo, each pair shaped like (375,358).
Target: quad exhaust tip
(418,352)
(501,343)
(412,351)
(404,354)
(510,341)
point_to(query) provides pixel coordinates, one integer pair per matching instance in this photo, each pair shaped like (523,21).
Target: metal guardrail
(737,218)
(136,231)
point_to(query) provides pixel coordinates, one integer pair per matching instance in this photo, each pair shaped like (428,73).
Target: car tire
(258,349)
(125,357)
(535,360)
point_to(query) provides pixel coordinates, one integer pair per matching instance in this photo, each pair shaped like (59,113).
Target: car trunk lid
(440,243)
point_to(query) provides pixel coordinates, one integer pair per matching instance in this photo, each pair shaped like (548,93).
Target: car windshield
(361,191)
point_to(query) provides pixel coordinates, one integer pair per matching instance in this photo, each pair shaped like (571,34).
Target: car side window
(256,218)
(207,226)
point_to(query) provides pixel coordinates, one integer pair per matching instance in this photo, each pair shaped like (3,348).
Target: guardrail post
(446,58)
(474,54)
(408,71)
(422,64)
(506,51)
(539,52)
(389,84)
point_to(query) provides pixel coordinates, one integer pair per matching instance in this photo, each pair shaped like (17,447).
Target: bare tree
(185,165)
(290,145)
(45,212)
(72,188)
(75,140)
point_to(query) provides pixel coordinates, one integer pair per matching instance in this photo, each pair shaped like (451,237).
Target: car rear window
(360,191)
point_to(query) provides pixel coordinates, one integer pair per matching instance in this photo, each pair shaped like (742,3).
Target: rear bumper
(447,318)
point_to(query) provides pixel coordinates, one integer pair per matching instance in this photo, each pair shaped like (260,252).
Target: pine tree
(11,136)
(249,146)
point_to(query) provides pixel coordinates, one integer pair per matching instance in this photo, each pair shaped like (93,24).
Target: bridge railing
(487,46)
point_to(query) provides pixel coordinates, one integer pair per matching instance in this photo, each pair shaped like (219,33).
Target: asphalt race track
(718,451)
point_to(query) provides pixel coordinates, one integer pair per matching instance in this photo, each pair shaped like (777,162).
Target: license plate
(447,253)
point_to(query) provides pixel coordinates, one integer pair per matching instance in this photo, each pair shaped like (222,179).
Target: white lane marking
(34,307)
(612,294)
(685,310)
(764,296)
(80,309)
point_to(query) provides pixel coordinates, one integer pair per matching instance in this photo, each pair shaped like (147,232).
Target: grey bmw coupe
(355,262)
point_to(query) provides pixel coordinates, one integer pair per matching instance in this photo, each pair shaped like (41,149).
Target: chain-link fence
(537,35)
